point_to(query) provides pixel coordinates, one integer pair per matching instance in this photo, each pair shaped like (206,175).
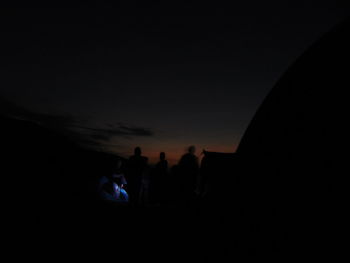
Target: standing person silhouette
(136,168)
(143,194)
(188,174)
(160,180)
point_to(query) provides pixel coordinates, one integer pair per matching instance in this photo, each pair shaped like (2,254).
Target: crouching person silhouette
(112,187)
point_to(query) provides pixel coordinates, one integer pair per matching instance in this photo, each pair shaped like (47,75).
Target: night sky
(159,76)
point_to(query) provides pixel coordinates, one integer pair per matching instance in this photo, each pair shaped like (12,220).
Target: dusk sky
(158,76)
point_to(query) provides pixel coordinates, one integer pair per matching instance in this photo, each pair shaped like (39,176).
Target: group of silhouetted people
(136,183)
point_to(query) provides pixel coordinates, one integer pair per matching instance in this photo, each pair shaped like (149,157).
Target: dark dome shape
(290,155)
(306,99)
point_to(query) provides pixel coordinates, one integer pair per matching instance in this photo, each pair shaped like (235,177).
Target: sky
(161,76)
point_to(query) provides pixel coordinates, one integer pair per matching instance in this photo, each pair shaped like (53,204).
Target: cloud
(136,131)
(100,137)
(11,109)
(120,130)
(78,130)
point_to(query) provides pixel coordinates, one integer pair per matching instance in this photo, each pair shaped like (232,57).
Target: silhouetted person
(136,167)
(111,186)
(143,194)
(118,174)
(159,182)
(188,174)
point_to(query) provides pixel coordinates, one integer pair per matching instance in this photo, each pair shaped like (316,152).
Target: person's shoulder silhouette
(189,159)
(138,155)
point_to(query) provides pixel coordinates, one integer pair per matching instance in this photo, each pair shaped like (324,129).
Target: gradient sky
(159,76)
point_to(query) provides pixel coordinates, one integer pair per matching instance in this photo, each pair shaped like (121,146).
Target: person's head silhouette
(137,151)
(162,156)
(192,149)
